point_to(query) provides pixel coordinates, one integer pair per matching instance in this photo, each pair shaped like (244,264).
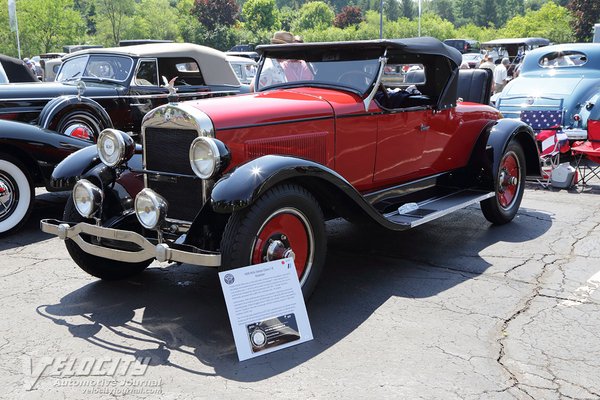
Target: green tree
(287,16)
(433,25)
(87,9)
(314,15)
(551,21)
(488,14)
(443,8)
(391,9)
(408,9)
(260,15)
(586,13)
(472,31)
(466,11)
(153,19)
(47,25)
(112,18)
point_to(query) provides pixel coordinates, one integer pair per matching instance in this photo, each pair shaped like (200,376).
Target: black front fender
(242,186)
(85,163)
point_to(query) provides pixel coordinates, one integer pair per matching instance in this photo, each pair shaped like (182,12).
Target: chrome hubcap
(278,250)
(7,197)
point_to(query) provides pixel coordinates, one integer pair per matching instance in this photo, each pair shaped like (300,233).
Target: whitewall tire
(16,194)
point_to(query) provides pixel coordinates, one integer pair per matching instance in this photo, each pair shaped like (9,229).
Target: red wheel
(508,179)
(286,233)
(508,187)
(284,222)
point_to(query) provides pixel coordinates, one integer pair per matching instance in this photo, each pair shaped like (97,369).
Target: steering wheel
(355,78)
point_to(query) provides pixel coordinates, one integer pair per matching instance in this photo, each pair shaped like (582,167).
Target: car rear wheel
(284,222)
(16,194)
(509,187)
(81,124)
(99,267)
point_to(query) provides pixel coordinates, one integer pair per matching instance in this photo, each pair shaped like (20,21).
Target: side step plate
(437,207)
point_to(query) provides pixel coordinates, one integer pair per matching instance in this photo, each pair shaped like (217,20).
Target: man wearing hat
(280,71)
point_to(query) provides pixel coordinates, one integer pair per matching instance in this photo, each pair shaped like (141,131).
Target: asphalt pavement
(454,309)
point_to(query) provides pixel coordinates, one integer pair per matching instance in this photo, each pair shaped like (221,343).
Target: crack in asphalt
(527,306)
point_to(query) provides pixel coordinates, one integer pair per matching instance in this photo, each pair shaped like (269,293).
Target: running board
(437,207)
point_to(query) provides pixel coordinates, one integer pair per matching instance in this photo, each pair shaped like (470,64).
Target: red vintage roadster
(368,130)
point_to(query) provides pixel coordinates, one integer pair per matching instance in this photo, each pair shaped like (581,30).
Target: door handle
(423,127)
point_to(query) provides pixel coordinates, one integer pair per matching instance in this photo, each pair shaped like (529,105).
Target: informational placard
(266,308)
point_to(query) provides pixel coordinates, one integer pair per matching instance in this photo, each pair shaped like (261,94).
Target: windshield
(116,68)
(328,69)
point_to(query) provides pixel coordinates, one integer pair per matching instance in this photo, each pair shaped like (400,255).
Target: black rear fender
(491,145)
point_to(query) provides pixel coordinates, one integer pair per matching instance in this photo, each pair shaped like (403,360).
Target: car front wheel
(99,267)
(508,188)
(16,194)
(284,222)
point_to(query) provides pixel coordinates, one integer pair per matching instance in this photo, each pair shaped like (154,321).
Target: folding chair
(588,153)
(551,140)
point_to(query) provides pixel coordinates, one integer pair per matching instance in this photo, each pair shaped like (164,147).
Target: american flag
(542,119)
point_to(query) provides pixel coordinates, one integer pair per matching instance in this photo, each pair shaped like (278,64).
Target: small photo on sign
(273,332)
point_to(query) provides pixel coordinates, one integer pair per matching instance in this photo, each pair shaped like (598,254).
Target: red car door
(400,143)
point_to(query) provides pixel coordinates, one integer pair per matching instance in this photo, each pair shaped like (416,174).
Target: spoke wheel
(16,194)
(286,221)
(508,188)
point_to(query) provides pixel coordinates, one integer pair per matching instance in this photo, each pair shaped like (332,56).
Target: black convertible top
(420,45)
(16,70)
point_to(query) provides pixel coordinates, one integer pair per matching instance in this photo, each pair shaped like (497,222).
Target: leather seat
(475,85)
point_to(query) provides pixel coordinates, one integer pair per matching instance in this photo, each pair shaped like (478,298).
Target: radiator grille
(167,150)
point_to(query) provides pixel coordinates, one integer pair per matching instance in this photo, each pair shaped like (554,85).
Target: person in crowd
(486,62)
(501,75)
(280,71)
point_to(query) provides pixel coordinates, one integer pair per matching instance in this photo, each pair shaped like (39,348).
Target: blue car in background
(560,86)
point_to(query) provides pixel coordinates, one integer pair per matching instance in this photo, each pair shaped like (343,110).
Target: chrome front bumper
(162,252)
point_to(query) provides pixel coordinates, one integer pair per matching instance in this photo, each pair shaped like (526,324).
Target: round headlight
(150,209)
(114,147)
(87,197)
(204,157)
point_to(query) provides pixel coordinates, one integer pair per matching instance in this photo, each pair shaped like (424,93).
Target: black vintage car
(28,155)
(115,87)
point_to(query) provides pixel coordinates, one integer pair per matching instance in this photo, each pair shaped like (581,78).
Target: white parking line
(583,293)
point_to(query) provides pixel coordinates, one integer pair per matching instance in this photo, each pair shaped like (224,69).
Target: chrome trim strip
(145,96)
(162,252)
